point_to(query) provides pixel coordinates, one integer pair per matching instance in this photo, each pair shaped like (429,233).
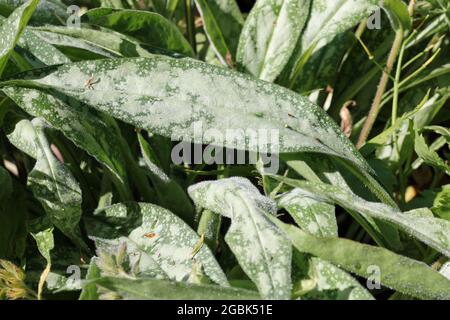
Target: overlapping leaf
(158,243)
(418,223)
(327,19)
(186,94)
(85,128)
(311,214)
(397,272)
(51,182)
(222,21)
(262,251)
(12,28)
(154,289)
(269,36)
(148,27)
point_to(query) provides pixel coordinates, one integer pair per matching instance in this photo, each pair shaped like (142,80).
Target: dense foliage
(220,149)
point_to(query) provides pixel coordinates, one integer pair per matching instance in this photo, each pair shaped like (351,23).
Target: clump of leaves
(115,123)
(12,282)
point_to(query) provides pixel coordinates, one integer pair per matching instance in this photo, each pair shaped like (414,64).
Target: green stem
(397,84)
(375,108)
(190,23)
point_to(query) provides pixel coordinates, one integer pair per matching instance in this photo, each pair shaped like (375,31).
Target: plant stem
(411,5)
(397,85)
(190,23)
(375,108)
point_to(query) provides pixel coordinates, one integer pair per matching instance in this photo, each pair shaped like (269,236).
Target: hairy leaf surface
(269,36)
(262,251)
(397,272)
(158,243)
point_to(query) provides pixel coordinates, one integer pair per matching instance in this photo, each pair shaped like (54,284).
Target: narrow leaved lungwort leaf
(261,249)
(326,20)
(148,27)
(395,271)
(417,223)
(39,52)
(429,156)
(269,36)
(50,180)
(398,14)
(89,289)
(103,42)
(12,28)
(66,42)
(193,101)
(155,289)
(158,243)
(47,11)
(222,21)
(311,213)
(328,282)
(45,243)
(82,125)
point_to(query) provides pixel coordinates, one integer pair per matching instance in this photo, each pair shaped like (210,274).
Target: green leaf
(165,7)
(107,44)
(157,242)
(441,203)
(148,27)
(310,213)
(318,168)
(429,156)
(90,291)
(326,281)
(417,223)
(11,29)
(397,272)
(47,12)
(327,19)
(50,181)
(153,289)
(269,36)
(262,251)
(398,14)
(184,95)
(39,52)
(222,21)
(86,128)
(45,243)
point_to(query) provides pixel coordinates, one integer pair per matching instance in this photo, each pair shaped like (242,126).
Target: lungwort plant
(224,149)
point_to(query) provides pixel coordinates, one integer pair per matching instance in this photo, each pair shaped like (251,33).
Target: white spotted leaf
(86,128)
(158,243)
(12,28)
(397,272)
(155,289)
(222,21)
(260,248)
(418,223)
(269,36)
(311,214)
(51,181)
